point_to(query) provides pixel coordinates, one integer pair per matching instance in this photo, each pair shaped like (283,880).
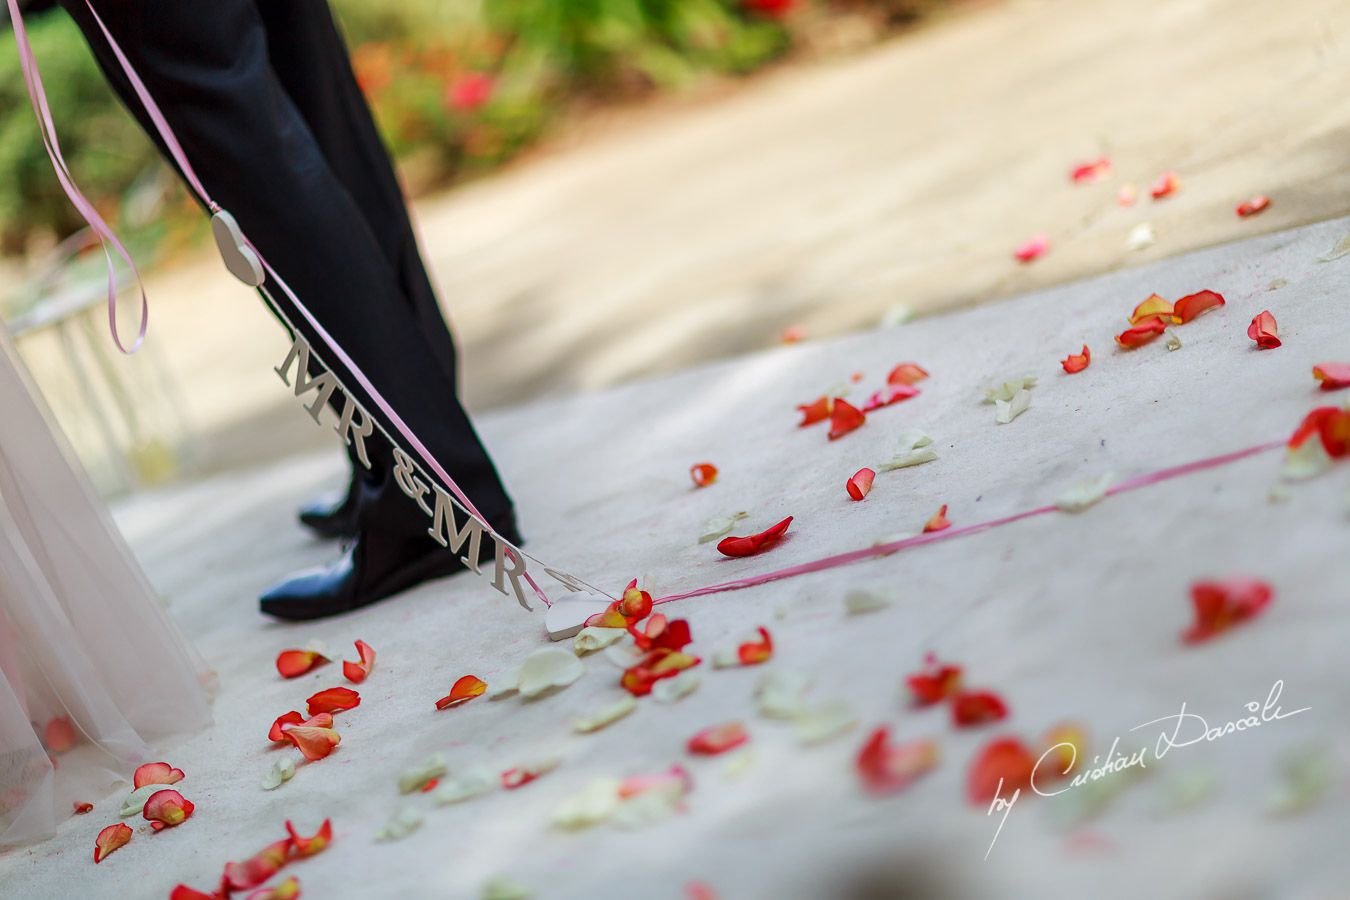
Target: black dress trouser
(262,96)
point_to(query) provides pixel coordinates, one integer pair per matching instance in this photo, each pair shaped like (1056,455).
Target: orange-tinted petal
(313,741)
(1002,766)
(1077,362)
(109,839)
(885,767)
(755,543)
(183,892)
(844,418)
(287,890)
(523,775)
(659,663)
(793,334)
(888,396)
(1165,186)
(1219,605)
(82,808)
(752,653)
(1253,206)
(1192,305)
(1142,333)
(977,708)
(1332,376)
(240,876)
(935,684)
(294,663)
(308,846)
(860,484)
(356,672)
(290,718)
(703,474)
(718,739)
(334,700)
(464,690)
(1065,747)
(610,618)
(817,411)
(166,809)
(1153,306)
(635,605)
(1032,248)
(906,373)
(938,522)
(1264,330)
(59,735)
(156,773)
(1127,194)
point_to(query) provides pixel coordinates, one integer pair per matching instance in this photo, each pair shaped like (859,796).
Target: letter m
(323,385)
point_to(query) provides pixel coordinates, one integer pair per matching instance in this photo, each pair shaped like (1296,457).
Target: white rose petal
(720,526)
(824,722)
(1007,410)
(781,694)
(596,803)
(859,601)
(500,887)
(1173,342)
(1008,389)
(464,786)
(592,638)
(1085,493)
(134,805)
(282,770)
(416,776)
(607,716)
(1308,460)
(1141,236)
(669,690)
(547,669)
(402,823)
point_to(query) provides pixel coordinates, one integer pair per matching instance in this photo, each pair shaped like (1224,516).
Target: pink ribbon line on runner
(852,556)
(38,97)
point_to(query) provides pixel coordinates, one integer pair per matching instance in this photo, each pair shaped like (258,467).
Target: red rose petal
(110,839)
(287,890)
(1091,172)
(1032,249)
(241,876)
(845,418)
(1264,330)
(1253,206)
(308,846)
(938,522)
(1077,362)
(464,690)
(703,474)
(752,653)
(889,396)
(1142,333)
(156,773)
(1192,305)
(59,735)
(334,700)
(935,684)
(313,741)
(755,543)
(635,605)
(183,892)
(860,485)
(1219,605)
(1332,376)
(886,768)
(659,663)
(793,334)
(817,411)
(356,672)
(166,809)
(290,718)
(906,373)
(82,808)
(1002,766)
(1154,306)
(977,708)
(294,663)
(1165,186)
(718,739)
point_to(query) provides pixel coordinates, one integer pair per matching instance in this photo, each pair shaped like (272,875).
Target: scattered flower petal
(287,890)
(1173,342)
(938,522)
(607,716)
(416,777)
(1127,194)
(333,700)
(756,543)
(1154,306)
(1091,172)
(844,418)
(465,689)
(858,601)
(1342,248)
(1085,493)
(752,653)
(1032,249)
(794,334)
(720,526)
(1077,362)
(1166,185)
(500,887)
(1192,305)
(404,821)
(718,739)
(313,739)
(977,708)
(82,808)
(464,786)
(1002,766)
(59,735)
(110,839)
(294,663)
(1305,777)
(1007,410)
(906,373)
(1220,605)
(1332,376)
(860,484)
(308,846)
(282,770)
(825,722)
(781,694)
(885,767)
(1141,237)
(1141,334)
(670,690)
(166,809)
(156,773)
(592,806)
(888,396)
(635,604)
(703,474)
(547,669)
(275,732)
(1008,389)
(523,775)
(935,683)
(816,411)
(1264,331)
(914,449)
(134,804)
(1251,207)
(591,639)
(356,672)
(241,876)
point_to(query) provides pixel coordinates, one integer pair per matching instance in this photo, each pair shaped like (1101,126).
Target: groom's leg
(208,66)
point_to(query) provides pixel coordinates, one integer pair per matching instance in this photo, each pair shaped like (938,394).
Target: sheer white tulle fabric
(84,641)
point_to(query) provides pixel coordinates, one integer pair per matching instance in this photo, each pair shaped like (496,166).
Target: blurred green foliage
(458,86)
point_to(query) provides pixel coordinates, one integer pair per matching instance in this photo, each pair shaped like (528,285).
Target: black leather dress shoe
(372,568)
(332,517)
